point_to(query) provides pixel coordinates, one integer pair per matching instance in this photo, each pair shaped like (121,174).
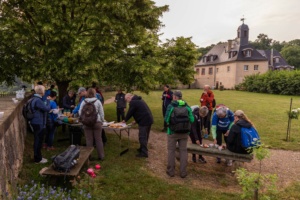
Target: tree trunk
(62,90)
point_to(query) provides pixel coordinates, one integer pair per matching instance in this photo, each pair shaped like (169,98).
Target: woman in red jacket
(206,99)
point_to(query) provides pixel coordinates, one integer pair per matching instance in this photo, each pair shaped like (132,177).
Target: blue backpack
(249,137)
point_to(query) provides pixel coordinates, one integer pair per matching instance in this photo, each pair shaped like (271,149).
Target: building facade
(228,63)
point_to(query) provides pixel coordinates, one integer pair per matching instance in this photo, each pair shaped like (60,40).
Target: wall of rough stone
(12,143)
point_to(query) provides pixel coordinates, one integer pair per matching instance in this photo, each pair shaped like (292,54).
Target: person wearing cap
(222,121)
(121,105)
(139,110)
(181,138)
(166,97)
(81,93)
(206,99)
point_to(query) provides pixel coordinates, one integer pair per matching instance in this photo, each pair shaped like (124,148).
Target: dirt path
(110,100)
(286,164)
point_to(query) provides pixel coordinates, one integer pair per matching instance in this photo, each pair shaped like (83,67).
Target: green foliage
(273,82)
(257,185)
(293,114)
(291,53)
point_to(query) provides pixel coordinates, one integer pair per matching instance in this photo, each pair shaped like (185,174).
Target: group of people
(221,122)
(180,122)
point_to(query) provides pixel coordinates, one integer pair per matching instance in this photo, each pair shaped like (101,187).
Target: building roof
(281,61)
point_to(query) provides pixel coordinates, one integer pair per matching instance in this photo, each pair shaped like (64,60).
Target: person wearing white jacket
(94,132)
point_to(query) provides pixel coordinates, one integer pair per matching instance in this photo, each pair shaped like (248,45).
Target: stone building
(228,63)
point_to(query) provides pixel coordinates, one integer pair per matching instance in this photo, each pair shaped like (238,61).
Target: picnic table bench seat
(214,152)
(84,155)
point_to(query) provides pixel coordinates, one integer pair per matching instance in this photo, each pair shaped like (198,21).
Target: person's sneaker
(219,160)
(141,155)
(202,160)
(169,174)
(183,175)
(43,161)
(194,158)
(229,162)
(205,136)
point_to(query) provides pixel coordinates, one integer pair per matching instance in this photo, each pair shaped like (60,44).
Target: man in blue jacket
(40,110)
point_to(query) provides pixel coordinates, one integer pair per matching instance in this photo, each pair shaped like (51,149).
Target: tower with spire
(243,34)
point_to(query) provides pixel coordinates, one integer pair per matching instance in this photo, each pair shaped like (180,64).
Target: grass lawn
(266,111)
(127,177)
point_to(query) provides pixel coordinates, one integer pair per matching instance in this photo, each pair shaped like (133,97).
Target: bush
(273,82)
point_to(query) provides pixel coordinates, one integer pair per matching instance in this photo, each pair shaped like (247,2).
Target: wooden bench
(214,152)
(84,155)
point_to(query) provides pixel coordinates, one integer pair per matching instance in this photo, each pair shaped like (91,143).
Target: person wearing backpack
(234,143)
(178,117)
(40,110)
(222,121)
(139,110)
(207,99)
(91,115)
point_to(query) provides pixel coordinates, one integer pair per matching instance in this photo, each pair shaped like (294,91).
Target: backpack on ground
(27,110)
(89,115)
(179,120)
(249,137)
(65,161)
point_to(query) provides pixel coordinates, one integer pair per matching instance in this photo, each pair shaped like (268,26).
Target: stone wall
(12,143)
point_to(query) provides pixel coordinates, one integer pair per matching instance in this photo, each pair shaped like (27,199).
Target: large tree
(81,41)
(291,53)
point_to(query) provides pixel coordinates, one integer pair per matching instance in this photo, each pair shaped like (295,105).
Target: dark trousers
(164,110)
(144,132)
(51,128)
(219,137)
(193,139)
(120,114)
(207,121)
(38,132)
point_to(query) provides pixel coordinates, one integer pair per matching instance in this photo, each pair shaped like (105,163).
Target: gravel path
(286,164)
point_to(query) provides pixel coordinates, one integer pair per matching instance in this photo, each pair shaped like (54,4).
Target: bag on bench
(65,161)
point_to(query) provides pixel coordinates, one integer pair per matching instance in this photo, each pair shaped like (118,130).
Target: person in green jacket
(178,132)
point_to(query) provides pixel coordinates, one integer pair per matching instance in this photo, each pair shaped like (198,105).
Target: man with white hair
(222,121)
(139,110)
(40,110)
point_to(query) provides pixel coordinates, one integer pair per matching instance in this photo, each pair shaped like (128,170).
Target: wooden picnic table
(117,131)
(84,155)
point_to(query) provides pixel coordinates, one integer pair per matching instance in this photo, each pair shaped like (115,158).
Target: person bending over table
(139,110)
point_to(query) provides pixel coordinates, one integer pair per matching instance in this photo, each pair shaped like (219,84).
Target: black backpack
(27,110)
(89,115)
(179,121)
(65,161)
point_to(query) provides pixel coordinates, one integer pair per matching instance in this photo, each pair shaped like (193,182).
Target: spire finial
(243,19)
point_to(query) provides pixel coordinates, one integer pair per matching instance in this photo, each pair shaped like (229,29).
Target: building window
(228,68)
(210,70)
(246,67)
(255,67)
(203,71)
(197,70)
(204,59)
(277,60)
(245,33)
(248,53)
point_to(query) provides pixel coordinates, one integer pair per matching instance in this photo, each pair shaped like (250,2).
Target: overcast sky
(211,21)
